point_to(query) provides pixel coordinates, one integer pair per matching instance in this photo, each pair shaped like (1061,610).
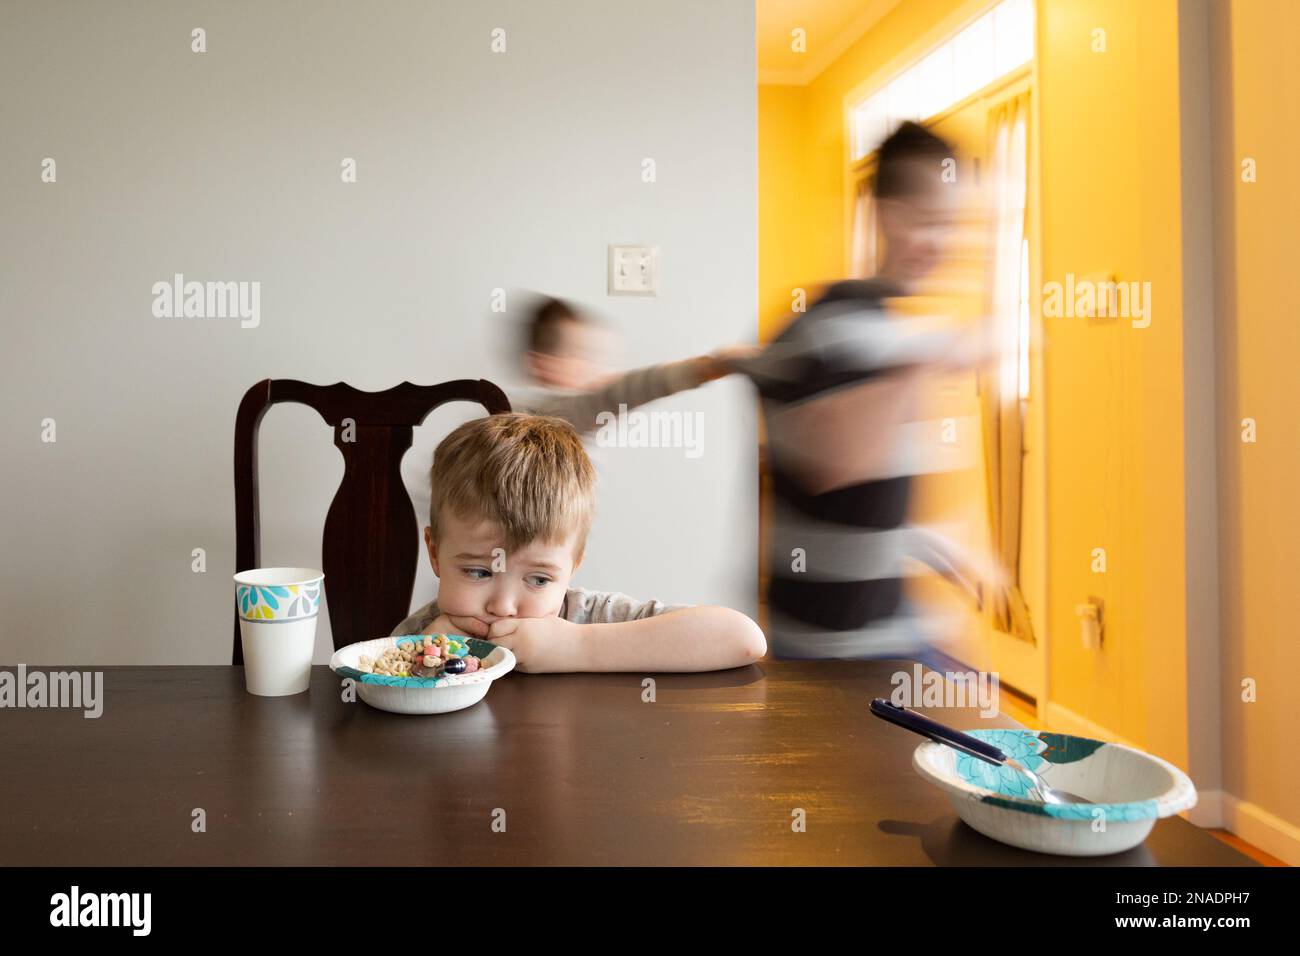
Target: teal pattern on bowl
(1132,790)
(1040,751)
(289,602)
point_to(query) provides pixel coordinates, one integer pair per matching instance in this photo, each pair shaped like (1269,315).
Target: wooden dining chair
(371,541)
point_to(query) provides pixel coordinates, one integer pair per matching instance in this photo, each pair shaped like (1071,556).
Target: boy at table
(512,500)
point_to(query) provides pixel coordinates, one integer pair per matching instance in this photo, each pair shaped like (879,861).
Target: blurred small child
(566,357)
(565,354)
(563,349)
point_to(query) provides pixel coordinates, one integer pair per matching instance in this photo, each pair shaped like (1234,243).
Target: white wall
(476,170)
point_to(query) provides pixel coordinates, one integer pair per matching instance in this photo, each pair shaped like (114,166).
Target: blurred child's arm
(636,388)
(965,568)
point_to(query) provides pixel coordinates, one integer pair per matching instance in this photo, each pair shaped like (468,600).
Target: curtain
(1000,382)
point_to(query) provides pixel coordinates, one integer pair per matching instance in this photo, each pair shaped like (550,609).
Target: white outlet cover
(633,270)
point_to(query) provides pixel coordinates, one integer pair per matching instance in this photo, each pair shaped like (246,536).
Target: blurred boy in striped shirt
(839,386)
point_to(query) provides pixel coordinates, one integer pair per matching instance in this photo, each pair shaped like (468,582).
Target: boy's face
(915,228)
(473,595)
(580,360)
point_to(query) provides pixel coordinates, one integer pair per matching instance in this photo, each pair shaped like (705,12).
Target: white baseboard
(1208,812)
(1214,808)
(1265,830)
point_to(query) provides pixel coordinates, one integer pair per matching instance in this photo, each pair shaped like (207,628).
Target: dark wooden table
(585,771)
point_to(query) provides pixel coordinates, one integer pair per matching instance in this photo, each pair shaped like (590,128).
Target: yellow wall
(782,261)
(1110,188)
(1258,296)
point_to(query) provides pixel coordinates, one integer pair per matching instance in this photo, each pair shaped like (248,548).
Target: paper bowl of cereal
(422,673)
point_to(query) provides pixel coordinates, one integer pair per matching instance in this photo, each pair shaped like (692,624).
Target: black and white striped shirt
(839,388)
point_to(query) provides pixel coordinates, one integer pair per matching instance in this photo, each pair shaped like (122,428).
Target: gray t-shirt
(580,607)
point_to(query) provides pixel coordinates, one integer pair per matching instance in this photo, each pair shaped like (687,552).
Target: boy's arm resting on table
(692,639)
(609,631)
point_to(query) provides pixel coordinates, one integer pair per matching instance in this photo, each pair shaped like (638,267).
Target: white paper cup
(277,626)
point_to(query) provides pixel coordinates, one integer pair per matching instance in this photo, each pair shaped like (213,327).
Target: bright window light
(1013,34)
(973,57)
(990,47)
(935,81)
(870,124)
(902,97)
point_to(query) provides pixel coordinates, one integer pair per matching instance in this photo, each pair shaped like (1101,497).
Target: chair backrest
(371,544)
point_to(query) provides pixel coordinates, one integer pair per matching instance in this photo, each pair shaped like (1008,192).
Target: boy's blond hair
(528,474)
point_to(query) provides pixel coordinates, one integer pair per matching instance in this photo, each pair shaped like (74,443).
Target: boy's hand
(464,626)
(540,644)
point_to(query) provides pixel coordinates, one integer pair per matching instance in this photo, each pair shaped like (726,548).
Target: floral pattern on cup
(278,602)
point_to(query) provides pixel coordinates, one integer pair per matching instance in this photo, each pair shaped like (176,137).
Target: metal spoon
(940,733)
